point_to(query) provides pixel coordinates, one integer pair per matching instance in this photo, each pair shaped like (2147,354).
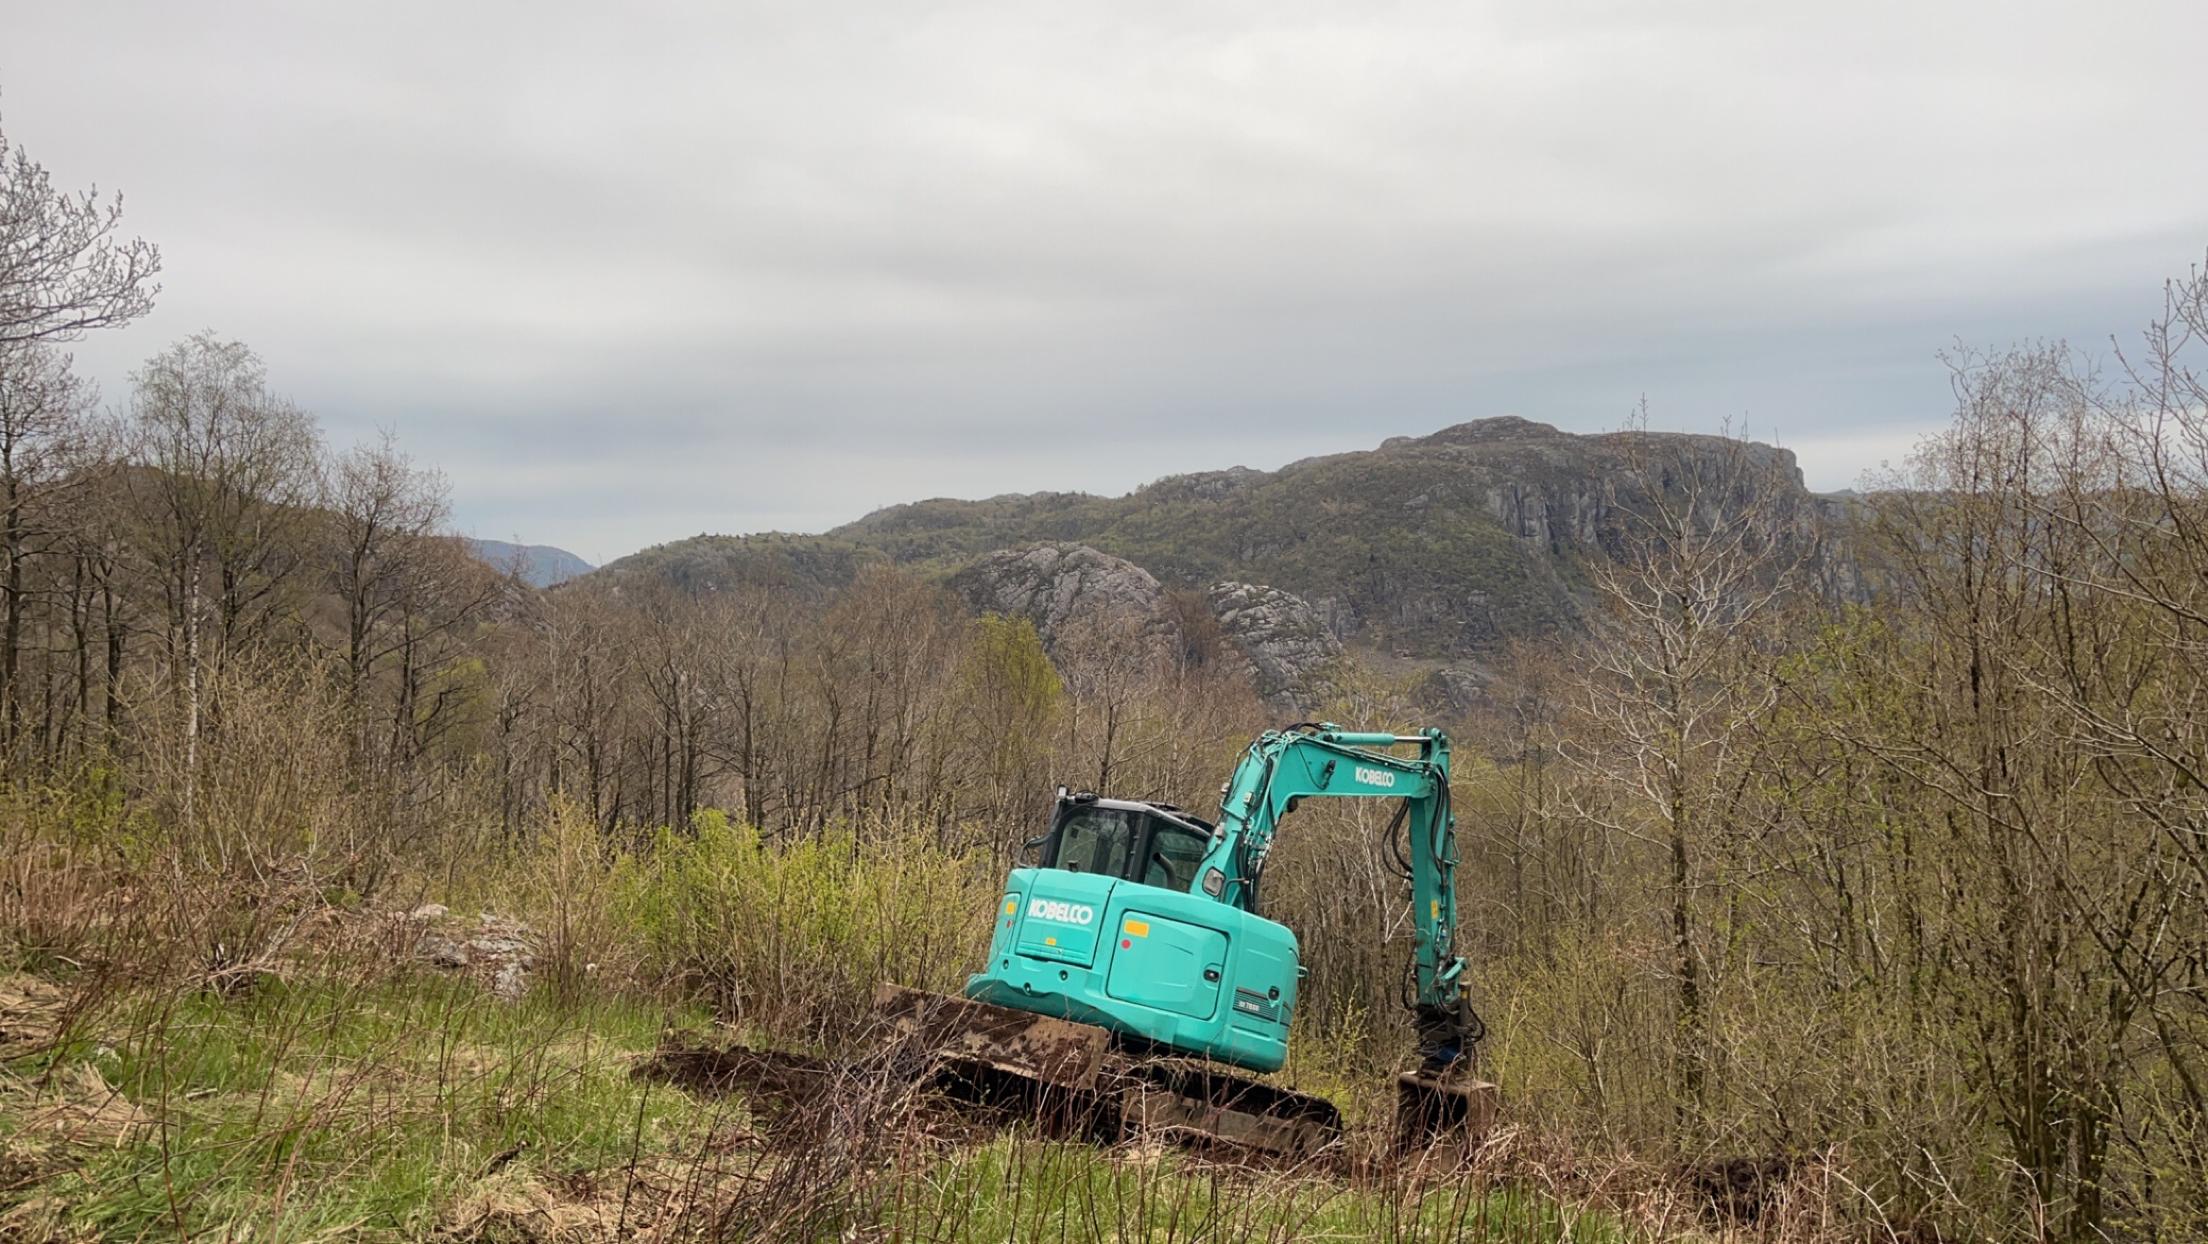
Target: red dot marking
(1125,943)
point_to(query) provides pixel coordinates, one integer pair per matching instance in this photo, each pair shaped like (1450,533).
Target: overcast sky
(630,272)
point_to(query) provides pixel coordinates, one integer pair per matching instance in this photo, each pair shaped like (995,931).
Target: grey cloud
(629,272)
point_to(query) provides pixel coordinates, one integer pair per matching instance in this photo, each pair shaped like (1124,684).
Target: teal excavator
(1131,971)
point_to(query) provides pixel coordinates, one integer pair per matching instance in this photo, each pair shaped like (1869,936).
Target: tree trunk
(191,688)
(11,626)
(1691,1053)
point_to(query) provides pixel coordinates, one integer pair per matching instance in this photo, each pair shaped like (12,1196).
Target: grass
(1019,1188)
(366,1102)
(321,1084)
(333,1106)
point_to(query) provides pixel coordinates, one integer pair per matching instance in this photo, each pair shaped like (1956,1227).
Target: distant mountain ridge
(540,565)
(1436,547)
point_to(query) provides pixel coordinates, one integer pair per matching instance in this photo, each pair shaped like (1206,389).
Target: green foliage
(793,936)
(65,849)
(1011,670)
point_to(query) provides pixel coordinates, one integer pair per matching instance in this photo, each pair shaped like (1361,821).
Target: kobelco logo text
(1064,913)
(1375,777)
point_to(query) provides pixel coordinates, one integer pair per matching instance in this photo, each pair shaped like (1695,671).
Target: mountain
(540,565)
(1436,548)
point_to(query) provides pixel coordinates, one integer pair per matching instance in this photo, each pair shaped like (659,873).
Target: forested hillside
(1441,546)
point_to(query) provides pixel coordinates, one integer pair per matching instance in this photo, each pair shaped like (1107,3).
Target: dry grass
(206,1056)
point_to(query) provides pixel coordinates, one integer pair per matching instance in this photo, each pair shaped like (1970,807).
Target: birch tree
(225,474)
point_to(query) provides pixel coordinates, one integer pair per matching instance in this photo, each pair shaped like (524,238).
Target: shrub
(790,937)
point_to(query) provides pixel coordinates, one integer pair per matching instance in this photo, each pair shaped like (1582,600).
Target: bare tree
(381,508)
(744,684)
(44,435)
(1011,697)
(2118,509)
(1678,678)
(409,595)
(63,269)
(227,472)
(674,653)
(1113,666)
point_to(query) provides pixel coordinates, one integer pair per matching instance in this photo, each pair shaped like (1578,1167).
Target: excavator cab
(1147,843)
(1111,927)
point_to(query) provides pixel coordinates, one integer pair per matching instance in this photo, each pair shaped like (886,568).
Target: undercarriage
(1078,1080)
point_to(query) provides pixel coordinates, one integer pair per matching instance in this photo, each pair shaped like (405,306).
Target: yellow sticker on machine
(1437,909)
(1010,906)
(1136,928)
(1050,941)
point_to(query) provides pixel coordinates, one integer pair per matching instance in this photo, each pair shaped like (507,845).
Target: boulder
(499,952)
(1453,691)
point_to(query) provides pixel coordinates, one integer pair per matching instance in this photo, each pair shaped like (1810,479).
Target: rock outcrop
(1063,587)
(1452,691)
(1291,653)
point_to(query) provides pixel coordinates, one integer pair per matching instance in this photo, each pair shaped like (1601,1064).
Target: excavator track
(1195,1103)
(1086,1078)
(1069,1079)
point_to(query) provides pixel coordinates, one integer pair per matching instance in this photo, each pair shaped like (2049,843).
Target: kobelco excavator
(1133,985)
(1131,970)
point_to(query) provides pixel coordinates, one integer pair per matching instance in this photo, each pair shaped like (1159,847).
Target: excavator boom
(1284,767)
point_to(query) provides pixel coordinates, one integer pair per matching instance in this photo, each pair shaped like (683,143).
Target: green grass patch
(1019,1188)
(385,1106)
(365,1109)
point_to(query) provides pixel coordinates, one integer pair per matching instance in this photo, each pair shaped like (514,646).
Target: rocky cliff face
(1060,587)
(1281,643)
(1291,654)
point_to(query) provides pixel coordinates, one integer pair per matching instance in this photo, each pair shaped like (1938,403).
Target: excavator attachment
(1441,1113)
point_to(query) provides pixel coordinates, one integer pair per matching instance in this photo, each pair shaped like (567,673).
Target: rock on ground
(499,952)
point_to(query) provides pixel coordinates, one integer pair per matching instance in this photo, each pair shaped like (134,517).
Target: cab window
(1095,840)
(1174,854)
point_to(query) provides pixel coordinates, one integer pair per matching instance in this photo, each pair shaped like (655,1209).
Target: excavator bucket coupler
(1440,1113)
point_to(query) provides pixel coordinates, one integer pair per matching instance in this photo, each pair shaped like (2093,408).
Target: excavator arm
(1284,767)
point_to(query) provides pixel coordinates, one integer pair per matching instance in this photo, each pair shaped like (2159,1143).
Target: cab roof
(1165,810)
